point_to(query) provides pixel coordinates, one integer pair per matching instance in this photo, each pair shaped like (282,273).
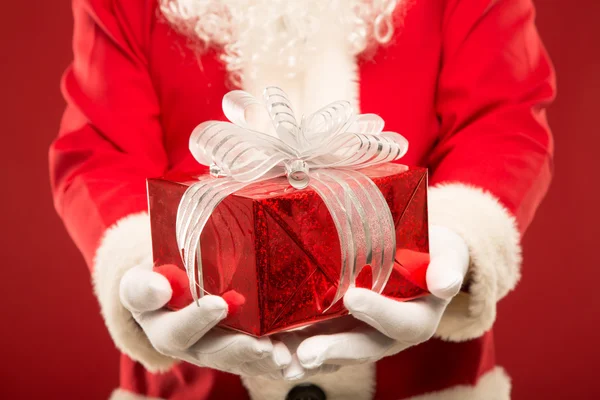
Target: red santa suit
(465,81)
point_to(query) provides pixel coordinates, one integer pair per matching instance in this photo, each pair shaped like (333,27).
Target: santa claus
(465,81)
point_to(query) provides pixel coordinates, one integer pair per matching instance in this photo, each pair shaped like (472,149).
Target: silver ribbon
(263,141)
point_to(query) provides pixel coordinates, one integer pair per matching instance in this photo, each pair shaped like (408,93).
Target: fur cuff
(125,245)
(491,233)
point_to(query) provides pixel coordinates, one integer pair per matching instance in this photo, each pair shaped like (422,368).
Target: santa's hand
(188,334)
(390,326)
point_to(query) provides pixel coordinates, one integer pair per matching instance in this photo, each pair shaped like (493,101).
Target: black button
(306,391)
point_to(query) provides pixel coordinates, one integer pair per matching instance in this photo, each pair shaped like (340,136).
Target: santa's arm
(492,164)
(110,141)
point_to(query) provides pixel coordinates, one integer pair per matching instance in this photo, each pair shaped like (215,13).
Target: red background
(53,343)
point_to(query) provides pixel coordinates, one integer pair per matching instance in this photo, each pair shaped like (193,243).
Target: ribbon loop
(263,141)
(297,174)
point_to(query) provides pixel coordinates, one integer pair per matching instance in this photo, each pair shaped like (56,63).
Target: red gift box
(278,248)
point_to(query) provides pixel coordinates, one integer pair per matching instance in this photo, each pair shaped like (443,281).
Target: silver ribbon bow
(323,152)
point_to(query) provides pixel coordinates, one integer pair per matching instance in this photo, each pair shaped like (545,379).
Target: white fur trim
(121,394)
(357,383)
(491,233)
(353,382)
(494,385)
(331,74)
(125,245)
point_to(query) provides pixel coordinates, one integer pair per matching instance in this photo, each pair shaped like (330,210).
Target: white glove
(387,326)
(187,334)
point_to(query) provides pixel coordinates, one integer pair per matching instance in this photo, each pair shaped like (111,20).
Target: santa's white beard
(280,35)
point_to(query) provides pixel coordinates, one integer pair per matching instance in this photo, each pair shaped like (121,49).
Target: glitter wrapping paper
(278,247)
